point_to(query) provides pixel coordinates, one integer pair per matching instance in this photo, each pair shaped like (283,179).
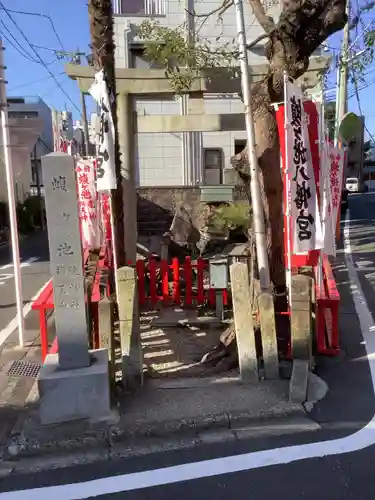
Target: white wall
(160,156)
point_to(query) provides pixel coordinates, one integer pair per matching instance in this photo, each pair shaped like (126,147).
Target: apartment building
(187,158)
(26,110)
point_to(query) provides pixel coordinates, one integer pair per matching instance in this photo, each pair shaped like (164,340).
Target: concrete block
(298,382)
(67,395)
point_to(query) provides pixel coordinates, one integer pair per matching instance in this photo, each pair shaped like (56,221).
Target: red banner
(311,258)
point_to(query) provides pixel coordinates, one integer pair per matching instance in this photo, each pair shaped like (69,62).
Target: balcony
(142,8)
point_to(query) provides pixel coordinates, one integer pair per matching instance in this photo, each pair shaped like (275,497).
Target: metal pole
(11,200)
(85,124)
(258,216)
(38,188)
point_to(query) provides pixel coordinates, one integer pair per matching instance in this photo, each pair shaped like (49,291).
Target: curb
(107,436)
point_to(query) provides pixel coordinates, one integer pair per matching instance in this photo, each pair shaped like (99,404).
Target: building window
(239,145)
(213,166)
(212,158)
(142,7)
(23,114)
(138,59)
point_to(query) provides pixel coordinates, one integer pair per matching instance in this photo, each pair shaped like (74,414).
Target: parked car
(344,199)
(352,185)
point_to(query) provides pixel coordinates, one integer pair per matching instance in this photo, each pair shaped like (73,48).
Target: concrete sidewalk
(183,412)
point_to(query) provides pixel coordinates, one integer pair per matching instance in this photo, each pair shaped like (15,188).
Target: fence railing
(176,283)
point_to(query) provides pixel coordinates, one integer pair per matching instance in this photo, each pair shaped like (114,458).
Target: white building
(24,108)
(194,157)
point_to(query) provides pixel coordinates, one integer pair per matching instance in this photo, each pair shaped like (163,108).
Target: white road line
(27,262)
(236,463)
(9,329)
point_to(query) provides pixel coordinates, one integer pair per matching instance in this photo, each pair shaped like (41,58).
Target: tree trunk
(271,182)
(101,30)
(300,30)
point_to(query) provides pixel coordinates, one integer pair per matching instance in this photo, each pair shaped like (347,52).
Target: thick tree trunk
(268,150)
(300,30)
(101,30)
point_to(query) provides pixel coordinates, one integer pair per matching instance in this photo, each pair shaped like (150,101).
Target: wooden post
(268,333)
(130,335)
(243,321)
(106,340)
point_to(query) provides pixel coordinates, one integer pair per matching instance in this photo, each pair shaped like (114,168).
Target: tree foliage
(301,28)
(182,60)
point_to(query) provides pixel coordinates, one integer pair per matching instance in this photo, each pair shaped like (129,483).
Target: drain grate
(21,368)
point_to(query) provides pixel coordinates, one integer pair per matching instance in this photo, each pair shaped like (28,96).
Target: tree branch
(256,41)
(224,6)
(311,22)
(265,21)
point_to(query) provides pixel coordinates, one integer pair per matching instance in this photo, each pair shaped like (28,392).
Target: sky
(28,78)
(70,21)
(367,86)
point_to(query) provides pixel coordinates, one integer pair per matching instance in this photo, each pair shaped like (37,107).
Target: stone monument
(74,383)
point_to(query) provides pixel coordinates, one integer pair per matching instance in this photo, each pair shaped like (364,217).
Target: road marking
(28,262)
(236,463)
(9,329)
(4,277)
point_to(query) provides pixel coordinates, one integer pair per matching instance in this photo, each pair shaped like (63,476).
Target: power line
(38,14)
(33,82)
(16,48)
(21,50)
(38,56)
(52,89)
(359,105)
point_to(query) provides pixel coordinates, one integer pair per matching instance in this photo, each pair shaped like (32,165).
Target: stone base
(67,395)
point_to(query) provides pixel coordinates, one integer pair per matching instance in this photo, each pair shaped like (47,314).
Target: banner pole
(287,197)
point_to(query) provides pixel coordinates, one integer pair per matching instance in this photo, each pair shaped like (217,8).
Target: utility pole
(11,199)
(258,215)
(84,123)
(101,30)
(342,78)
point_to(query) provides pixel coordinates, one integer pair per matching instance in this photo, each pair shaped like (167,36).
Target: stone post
(268,333)
(301,317)
(73,384)
(301,330)
(106,340)
(66,260)
(126,132)
(243,321)
(130,334)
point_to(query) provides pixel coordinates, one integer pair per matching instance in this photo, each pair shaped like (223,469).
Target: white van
(352,185)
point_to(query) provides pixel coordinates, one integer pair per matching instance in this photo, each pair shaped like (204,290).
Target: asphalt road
(239,470)
(35,272)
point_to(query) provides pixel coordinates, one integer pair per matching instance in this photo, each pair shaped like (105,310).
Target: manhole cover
(21,368)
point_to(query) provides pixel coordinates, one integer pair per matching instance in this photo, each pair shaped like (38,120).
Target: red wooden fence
(187,280)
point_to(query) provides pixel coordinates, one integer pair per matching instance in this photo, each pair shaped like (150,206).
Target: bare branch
(313,21)
(265,21)
(223,7)
(256,41)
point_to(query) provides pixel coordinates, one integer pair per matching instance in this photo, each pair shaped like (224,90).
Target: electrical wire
(16,48)
(21,50)
(41,140)
(34,82)
(356,91)
(38,14)
(38,56)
